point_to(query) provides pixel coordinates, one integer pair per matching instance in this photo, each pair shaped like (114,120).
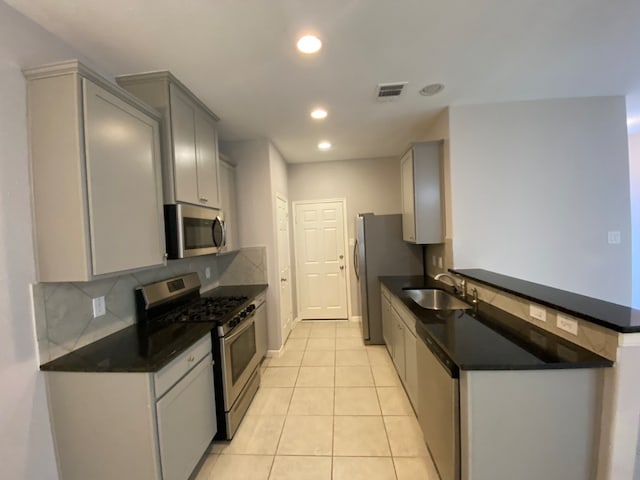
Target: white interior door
(284,266)
(320,260)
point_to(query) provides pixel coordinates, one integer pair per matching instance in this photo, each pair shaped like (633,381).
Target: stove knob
(243,314)
(251,308)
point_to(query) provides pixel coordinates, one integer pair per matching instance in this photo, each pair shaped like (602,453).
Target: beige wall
(634,179)
(369,185)
(537,185)
(26,444)
(261,172)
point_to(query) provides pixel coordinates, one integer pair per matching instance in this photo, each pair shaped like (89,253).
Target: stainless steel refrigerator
(378,251)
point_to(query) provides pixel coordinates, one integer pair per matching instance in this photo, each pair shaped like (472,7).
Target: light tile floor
(329,408)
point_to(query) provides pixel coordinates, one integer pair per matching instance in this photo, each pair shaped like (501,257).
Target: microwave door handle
(224,232)
(217,221)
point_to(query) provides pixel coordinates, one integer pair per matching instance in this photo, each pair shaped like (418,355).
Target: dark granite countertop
(134,350)
(489,339)
(610,315)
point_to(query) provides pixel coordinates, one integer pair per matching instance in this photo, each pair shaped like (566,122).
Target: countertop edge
(561,308)
(598,362)
(196,331)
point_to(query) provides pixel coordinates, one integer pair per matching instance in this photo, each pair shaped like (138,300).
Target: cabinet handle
(191,358)
(166,255)
(204,199)
(341,267)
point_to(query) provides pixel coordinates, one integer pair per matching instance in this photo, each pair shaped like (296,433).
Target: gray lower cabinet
(387,319)
(398,330)
(95,173)
(190,154)
(398,343)
(147,426)
(261,329)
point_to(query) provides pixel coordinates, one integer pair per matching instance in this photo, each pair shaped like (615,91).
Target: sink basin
(435,299)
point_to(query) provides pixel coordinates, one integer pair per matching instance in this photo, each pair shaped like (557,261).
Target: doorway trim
(347,265)
(280,196)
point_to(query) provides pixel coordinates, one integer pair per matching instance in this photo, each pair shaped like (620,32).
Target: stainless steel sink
(434,299)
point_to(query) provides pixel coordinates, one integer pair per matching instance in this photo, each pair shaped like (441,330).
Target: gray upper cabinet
(422,193)
(228,202)
(95,172)
(190,143)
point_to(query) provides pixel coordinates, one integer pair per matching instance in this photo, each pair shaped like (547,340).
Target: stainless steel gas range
(236,353)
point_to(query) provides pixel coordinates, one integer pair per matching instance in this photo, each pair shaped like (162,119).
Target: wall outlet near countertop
(439,262)
(567,324)
(433,260)
(538,313)
(99,307)
(207,272)
(613,237)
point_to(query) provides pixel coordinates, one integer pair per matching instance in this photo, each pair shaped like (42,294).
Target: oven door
(239,359)
(193,230)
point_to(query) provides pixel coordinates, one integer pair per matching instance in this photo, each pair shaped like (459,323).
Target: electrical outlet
(207,272)
(99,307)
(439,262)
(567,324)
(538,313)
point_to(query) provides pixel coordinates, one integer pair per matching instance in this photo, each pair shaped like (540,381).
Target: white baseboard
(274,353)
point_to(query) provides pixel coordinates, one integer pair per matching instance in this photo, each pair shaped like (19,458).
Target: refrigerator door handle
(356,266)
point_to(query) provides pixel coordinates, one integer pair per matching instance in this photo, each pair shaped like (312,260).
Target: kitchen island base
(530,425)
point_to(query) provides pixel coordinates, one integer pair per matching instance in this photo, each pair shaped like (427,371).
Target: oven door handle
(240,332)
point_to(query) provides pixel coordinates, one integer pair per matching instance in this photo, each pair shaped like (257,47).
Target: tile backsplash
(63,311)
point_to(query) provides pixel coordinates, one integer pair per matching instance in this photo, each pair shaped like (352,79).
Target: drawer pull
(191,358)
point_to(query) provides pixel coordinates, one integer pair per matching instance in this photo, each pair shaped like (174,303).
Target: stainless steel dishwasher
(439,407)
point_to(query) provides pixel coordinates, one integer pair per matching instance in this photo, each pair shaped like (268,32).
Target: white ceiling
(239,57)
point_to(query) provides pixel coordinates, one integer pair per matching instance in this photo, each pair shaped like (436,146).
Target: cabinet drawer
(404,313)
(169,375)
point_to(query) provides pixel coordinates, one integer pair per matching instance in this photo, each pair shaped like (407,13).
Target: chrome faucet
(460,288)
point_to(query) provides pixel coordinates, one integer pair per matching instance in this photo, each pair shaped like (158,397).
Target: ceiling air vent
(389,91)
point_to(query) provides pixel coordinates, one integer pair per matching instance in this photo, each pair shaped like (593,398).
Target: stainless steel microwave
(192,230)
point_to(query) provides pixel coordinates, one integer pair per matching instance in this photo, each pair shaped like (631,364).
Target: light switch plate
(538,313)
(439,262)
(207,272)
(99,307)
(567,324)
(613,237)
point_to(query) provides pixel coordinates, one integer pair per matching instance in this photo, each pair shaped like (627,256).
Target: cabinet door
(398,343)
(411,367)
(228,203)
(186,422)
(122,154)
(183,129)
(207,160)
(408,206)
(387,328)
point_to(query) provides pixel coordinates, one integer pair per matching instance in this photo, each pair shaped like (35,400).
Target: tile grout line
(384,425)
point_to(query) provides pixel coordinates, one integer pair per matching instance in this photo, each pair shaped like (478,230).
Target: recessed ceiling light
(324,145)
(319,113)
(309,44)
(432,89)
